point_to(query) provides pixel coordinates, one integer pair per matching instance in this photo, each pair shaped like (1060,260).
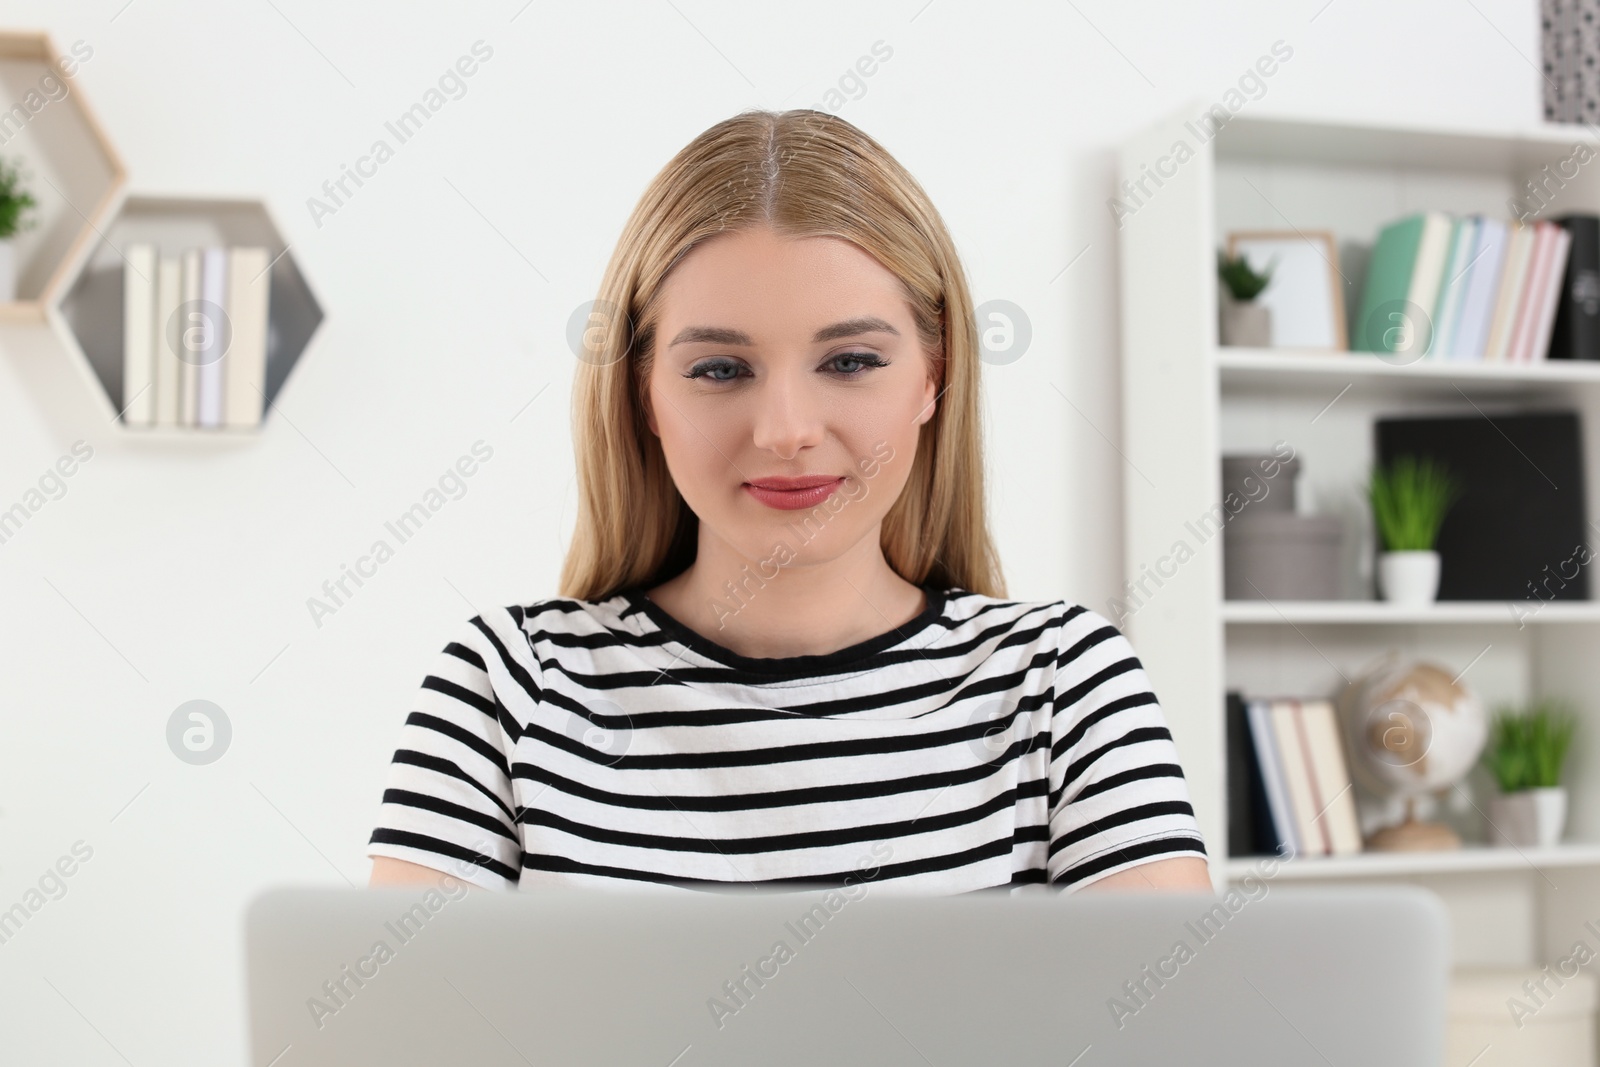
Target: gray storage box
(1263,493)
(1268,555)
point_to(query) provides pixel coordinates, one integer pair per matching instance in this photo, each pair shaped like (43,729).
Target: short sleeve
(1118,797)
(448,801)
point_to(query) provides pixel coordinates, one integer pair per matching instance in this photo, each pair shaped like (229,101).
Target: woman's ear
(930,391)
(648,409)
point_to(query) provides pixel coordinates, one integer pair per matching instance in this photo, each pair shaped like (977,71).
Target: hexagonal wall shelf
(69,260)
(90,315)
(67,163)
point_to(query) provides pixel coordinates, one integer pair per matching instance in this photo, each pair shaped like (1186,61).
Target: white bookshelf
(1186,402)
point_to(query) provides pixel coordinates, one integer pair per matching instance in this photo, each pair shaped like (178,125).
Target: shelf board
(1340,143)
(1378,612)
(1469,859)
(1280,368)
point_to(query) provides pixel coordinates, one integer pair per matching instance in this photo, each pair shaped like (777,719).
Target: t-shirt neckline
(790,665)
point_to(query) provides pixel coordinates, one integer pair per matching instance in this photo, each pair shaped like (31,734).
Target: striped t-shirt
(985,743)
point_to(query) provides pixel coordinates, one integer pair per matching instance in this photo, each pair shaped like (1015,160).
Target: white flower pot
(1409,578)
(1528,818)
(8,269)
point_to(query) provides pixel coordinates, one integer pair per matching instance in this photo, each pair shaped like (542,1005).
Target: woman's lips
(792,494)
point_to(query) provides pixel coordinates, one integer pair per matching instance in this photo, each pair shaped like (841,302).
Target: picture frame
(1304,295)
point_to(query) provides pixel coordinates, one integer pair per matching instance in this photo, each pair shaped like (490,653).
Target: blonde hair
(804,174)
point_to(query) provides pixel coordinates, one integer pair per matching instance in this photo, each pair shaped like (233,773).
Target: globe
(1411,729)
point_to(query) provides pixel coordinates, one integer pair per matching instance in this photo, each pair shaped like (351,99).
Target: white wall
(172,573)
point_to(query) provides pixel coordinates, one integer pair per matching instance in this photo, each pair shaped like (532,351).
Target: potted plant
(1241,321)
(1525,752)
(15,201)
(1409,501)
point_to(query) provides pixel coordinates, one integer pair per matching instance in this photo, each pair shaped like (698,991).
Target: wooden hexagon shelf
(67,163)
(90,317)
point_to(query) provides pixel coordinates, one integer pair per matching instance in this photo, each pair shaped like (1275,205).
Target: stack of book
(194,336)
(1289,788)
(1469,287)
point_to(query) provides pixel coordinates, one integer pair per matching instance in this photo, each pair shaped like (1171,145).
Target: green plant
(1409,501)
(1526,747)
(1242,281)
(14,200)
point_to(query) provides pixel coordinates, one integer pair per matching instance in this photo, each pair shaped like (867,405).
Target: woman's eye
(715,371)
(844,365)
(851,364)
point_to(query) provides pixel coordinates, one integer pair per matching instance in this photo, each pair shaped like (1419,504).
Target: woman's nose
(787,417)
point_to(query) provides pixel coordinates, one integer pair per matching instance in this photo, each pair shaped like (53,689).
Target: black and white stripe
(986,743)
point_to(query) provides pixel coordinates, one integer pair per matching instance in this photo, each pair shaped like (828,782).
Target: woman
(782,652)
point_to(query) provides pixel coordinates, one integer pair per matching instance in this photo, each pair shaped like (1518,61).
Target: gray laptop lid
(416,975)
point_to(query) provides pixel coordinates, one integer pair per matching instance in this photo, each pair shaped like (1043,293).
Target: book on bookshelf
(1291,791)
(1285,837)
(1447,309)
(1480,283)
(1576,331)
(1466,287)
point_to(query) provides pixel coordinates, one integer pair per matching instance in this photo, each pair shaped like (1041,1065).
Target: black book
(1250,831)
(1576,334)
(1518,532)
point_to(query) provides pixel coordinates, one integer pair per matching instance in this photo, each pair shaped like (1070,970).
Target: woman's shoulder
(523,637)
(963,605)
(559,617)
(1076,634)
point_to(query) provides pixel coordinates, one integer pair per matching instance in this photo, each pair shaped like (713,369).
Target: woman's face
(787,389)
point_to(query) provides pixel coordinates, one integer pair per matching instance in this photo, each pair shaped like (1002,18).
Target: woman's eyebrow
(721,335)
(717,335)
(852,327)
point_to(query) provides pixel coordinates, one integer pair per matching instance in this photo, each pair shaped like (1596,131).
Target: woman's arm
(386,870)
(1182,873)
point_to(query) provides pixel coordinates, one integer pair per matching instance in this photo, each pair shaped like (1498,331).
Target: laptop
(443,974)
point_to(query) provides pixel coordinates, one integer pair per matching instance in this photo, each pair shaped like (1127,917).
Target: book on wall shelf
(194,336)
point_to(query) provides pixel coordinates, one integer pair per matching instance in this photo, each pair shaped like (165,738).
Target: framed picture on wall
(1304,295)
